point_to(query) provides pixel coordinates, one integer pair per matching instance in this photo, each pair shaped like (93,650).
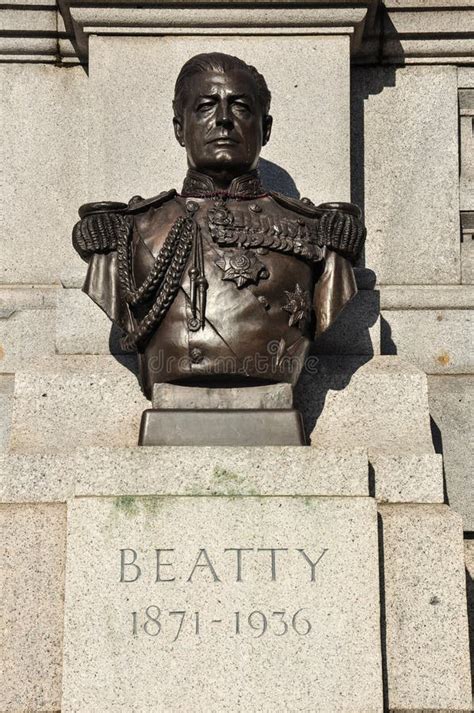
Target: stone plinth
(69,402)
(260,604)
(381,404)
(33,559)
(425,616)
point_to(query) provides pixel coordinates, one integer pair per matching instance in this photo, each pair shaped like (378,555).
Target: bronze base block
(219,427)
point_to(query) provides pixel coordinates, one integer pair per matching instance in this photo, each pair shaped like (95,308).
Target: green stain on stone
(223,474)
(127,504)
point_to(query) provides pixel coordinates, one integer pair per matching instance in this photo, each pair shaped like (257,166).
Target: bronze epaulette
(137,204)
(303,207)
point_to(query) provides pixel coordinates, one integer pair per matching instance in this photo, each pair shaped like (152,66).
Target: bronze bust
(225,281)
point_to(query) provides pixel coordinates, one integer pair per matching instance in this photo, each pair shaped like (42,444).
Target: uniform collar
(198,185)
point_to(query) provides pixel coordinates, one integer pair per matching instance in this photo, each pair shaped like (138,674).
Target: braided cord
(172,278)
(133,295)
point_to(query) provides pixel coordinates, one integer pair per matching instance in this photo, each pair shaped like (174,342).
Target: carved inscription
(154,621)
(165,566)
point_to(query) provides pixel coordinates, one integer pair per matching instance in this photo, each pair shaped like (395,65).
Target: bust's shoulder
(300,206)
(137,204)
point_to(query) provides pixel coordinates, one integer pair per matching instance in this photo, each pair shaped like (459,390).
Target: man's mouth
(223,141)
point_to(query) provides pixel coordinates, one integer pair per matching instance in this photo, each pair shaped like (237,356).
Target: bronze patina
(225,281)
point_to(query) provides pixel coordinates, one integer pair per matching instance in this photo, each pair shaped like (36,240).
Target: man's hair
(217,62)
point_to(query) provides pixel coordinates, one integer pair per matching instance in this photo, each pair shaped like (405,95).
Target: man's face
(222,126)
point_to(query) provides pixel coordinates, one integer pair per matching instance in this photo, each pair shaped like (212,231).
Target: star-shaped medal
(298,305)
(242,267)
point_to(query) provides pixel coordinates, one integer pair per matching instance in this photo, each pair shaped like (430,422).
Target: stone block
(427,647)
(429,297)
(7,382)
(98,402)
(438,341)
(227,660)
(356,330)
(315,84)
(264,471)
(406,179)
(467,252)
(451,400)
(24,337)
(466,77)
(272,396)
(14,298)
(400,478)
(379,404)
(44,125)
(82,327)
(33,554)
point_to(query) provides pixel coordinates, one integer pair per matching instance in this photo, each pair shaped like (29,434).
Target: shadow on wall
(275,178)
(470,612)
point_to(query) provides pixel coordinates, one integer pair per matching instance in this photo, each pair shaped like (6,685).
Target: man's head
(221,117)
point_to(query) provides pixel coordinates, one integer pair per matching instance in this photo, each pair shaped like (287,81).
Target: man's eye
(241,106)
(205,106)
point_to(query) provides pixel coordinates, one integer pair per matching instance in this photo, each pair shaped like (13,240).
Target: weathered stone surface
(425,609)
(7,382)
(25,297)
(272,396)
(466,77)
(315,83)
(406,171)
(357,329)
(24,336)
(33,554)
(426,297)
(438,341)
(451,400)
(401,478)
(96,402)
(82,327)
(380,404)
(335,667)
(44,125)
(282,471)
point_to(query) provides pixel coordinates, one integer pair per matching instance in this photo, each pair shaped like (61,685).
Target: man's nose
(224,116)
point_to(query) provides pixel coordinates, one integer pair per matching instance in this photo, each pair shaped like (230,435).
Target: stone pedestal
(222,604)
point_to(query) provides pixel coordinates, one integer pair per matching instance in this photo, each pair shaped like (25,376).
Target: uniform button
(196,355)
(264,302)
(192,207)
(255,208)
(194,324)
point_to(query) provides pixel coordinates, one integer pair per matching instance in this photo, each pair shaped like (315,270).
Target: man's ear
(178,130)
(267,128)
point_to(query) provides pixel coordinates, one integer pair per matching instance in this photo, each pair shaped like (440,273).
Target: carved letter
(273,551)
(313,564)
(204,555)
(159,564)
(239,551)
(124,564)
